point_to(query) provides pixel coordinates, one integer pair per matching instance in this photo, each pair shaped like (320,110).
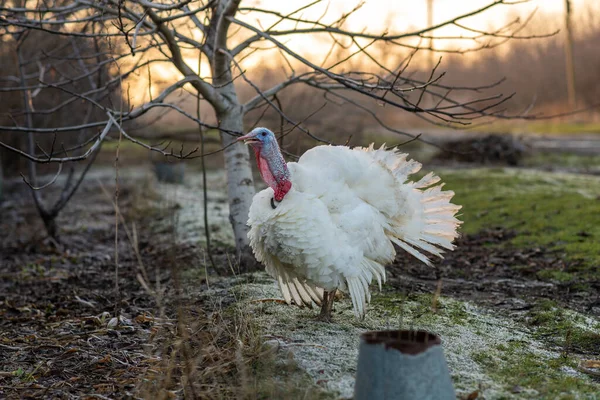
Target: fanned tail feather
(429,223)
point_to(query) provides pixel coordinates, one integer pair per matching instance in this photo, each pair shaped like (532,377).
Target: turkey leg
(327,305)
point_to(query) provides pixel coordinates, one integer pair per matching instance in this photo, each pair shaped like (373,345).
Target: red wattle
(281,190)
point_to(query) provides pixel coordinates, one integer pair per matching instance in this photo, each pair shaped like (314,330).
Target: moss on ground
(521,371)
(563,160)
(551,377)
(556,211)
(571,332)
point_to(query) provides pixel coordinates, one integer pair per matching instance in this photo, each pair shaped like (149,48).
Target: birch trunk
(240,183)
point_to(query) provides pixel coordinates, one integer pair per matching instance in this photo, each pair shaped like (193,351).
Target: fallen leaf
(590,363)
(72,350)
(106,359)
(140,319)
(473,395)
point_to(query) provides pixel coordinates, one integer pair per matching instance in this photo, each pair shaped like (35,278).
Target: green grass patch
(422,308)
(529,371)
(556,211)
(531,374)
(563,160)
(566,329)
(556,275)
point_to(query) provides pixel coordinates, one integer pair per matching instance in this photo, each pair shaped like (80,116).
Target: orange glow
(393,16)
(375,16)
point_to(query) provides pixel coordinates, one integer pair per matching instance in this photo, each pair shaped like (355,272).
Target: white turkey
(330,220)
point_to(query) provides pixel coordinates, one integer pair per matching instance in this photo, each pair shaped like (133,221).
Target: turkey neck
(273,168)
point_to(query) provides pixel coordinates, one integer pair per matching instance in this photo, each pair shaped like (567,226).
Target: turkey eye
(264,134)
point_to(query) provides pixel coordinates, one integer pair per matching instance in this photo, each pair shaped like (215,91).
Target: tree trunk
(230,114)
(569,63)
(1,178)
(240,184)
(51,227)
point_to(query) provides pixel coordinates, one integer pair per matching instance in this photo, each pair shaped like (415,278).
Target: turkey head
(271,164)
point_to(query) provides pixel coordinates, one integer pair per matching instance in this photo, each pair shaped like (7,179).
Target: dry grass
(206,346)
(220,353)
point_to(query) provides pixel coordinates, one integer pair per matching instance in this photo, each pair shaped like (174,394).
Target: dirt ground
(68,327)
(499,277)
(58,332)
(73,324)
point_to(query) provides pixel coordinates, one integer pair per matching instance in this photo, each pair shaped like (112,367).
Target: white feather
(335,227)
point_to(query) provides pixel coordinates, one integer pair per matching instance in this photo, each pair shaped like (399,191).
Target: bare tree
(28,74)
(142,33)
(569,62)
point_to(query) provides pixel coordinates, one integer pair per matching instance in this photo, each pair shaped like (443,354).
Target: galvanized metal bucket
(402,364)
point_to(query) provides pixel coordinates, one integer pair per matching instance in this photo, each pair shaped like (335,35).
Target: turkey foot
(327,306)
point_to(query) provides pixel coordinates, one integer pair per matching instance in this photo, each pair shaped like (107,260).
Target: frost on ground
(480,345)
(498,354)
(188,199)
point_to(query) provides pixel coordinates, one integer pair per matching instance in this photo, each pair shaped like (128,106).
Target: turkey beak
(248,139)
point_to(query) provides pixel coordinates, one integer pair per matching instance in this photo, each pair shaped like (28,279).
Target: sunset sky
(377,16)
(404,15)
(395,16)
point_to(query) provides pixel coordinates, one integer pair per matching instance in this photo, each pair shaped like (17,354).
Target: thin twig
(204,185)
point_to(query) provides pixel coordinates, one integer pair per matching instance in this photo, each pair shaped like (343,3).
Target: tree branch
(205,89)
(220,59)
